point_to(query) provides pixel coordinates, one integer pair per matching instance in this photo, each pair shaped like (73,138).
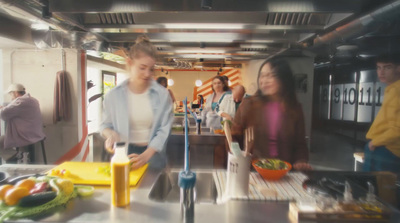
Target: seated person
(275,117)
(230,103)
(24,125)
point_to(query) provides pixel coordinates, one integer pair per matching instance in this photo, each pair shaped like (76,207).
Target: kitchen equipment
(228,134)
(249,139)
(187,179)
(90,173)
(238,172)
(271,174)
(235,149)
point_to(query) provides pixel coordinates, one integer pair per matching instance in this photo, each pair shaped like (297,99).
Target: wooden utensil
(249,139)
(228,134)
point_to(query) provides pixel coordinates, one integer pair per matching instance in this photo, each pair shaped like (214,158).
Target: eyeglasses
(270,75)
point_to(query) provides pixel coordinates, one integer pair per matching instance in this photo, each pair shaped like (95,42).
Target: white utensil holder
(237,184)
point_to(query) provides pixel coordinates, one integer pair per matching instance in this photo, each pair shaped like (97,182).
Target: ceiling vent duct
(361,25)
(54,39)
(254,47)
(47,39)
(183,65)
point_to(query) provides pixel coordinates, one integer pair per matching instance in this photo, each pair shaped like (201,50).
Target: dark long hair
(225,88)
(162,80)
(285,76)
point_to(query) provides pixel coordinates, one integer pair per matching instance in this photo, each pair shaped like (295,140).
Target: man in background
(23,120)
(164,82)
(382,152)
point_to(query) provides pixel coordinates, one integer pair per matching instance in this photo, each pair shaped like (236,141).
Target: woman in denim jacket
(139,111)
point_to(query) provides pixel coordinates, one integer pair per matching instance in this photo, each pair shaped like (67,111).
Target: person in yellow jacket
(382,152)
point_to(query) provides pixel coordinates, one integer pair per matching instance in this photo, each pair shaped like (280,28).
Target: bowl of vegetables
(271,169)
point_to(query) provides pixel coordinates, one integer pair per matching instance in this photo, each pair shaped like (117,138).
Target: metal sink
(166,188)
(203,129)
(192,129)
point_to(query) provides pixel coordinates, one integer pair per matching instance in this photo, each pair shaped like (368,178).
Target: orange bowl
(271,174)
(219,131)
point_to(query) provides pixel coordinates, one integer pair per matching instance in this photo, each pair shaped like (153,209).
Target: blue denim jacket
(116,117)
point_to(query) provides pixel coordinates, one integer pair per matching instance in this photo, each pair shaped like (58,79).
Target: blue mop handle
(194,115)
(186,138)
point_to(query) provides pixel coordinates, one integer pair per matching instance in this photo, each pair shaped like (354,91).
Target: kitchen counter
(98,208)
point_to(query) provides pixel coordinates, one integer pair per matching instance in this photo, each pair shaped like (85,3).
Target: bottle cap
(117,144)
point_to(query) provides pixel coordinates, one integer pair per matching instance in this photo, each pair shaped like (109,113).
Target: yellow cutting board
(88,173)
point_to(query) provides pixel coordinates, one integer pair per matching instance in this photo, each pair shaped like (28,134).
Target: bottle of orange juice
(120,191)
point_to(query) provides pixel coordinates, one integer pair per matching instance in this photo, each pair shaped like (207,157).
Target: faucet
(187,180)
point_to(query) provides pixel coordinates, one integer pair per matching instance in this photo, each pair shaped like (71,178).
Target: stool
(358,158)
(31,151)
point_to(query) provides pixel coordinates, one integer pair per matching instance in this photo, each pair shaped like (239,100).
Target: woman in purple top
(275,115)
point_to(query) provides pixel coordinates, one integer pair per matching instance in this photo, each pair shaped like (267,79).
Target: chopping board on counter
(90,173)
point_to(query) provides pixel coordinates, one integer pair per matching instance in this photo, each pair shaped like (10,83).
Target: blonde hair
(142,45)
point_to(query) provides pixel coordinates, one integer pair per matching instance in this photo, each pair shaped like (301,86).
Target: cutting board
(88,173)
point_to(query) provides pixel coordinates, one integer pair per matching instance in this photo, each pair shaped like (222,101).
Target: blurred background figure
(226,82)
(382,152)
(230,103)
(139,110)
(210,115)
(198,103)
(24,124)
(275,117)
(164,82)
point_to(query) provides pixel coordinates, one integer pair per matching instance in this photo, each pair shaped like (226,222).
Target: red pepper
(38,188)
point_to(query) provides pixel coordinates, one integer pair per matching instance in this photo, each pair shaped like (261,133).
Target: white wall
(184,81)
(36,70)
(299,65)
(305,65)
(249,75)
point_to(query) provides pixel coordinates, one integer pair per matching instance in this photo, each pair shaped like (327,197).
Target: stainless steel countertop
(98,208)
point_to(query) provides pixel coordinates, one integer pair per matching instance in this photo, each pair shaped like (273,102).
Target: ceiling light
(254,46)
(198,83)
(170,82)
(290,6)
(207,56)
(199,51)
(40,26)
(203,26)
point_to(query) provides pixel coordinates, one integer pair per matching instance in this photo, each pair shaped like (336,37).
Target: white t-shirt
(140,117)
